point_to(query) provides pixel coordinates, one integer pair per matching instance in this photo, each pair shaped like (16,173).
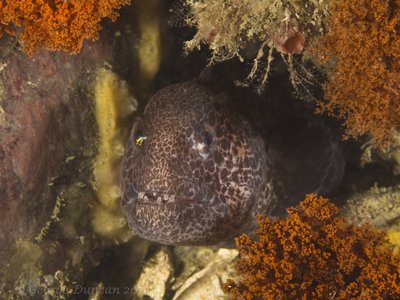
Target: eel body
(196,173)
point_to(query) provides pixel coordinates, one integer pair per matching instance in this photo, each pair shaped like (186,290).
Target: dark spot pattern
(201,175)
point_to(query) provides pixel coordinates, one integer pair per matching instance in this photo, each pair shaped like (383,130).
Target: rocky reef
(65,118)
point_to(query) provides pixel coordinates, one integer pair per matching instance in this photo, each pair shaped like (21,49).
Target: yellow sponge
(113,107)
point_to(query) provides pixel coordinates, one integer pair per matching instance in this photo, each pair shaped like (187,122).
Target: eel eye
(204,141)
(140,138)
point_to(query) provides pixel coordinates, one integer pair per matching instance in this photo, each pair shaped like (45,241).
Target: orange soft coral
(315,254)
(364,89)
(56,24)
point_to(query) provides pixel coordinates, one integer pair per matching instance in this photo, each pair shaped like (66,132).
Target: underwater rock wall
(61,228)
(64,120)
(47,125)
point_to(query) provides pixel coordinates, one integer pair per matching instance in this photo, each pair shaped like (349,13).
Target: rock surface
(46,119)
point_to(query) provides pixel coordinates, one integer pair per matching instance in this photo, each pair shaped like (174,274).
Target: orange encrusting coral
(315,254)
(56,24)
(364,89)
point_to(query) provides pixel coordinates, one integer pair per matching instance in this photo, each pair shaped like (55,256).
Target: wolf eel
(196,173)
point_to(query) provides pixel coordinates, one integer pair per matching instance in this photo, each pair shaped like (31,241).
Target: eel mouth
(187,193)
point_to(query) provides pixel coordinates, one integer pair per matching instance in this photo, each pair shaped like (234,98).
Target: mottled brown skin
(202,174)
